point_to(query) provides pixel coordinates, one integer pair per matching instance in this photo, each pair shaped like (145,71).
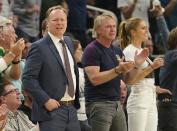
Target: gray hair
(98,22)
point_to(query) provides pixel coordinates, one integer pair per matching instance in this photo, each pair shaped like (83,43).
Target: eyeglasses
(11,91)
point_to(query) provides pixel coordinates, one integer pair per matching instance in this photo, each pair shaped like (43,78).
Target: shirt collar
(54,38)
(12,114)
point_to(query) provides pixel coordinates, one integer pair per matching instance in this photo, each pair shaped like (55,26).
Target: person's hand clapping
(158,62)
(125,67)
(141,57)
(18,47)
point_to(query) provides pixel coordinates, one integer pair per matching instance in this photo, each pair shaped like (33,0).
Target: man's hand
(164,95)
(163,90)
(3,111)
(141,57)
(125,67)
(18,47)
(51,104)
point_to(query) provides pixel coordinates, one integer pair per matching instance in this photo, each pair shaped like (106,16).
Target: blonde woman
(141,104)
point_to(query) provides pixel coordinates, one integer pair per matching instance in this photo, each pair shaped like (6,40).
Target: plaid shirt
(18,121)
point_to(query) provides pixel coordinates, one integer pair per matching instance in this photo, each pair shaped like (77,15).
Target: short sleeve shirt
(141,8)
(106,58)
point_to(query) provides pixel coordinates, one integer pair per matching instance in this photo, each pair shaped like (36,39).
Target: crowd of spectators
(122,65)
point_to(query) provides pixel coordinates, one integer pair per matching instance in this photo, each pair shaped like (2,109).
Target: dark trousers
(85,126)
(64,118)
(167,113)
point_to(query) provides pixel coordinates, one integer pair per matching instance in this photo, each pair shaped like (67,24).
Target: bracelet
(117,71)
(16,62)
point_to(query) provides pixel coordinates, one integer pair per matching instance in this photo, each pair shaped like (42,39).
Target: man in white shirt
(136,8)
(53,86)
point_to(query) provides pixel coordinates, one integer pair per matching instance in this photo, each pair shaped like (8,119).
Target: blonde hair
(124,30)
(98,21)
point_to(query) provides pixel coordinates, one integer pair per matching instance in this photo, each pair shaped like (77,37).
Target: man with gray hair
(10,49)
(103,75)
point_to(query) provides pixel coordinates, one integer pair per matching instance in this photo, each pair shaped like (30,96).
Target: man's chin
(19,104)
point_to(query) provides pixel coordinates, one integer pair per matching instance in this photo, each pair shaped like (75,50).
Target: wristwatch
(15,62)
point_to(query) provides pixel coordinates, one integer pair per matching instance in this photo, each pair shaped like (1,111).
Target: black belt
(66,103)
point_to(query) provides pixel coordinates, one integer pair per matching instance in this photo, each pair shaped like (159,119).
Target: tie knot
(62,42)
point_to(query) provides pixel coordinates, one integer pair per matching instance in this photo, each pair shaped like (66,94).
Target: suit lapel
(54,51)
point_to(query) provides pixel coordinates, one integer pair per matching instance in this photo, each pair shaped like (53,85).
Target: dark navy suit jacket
(44,76)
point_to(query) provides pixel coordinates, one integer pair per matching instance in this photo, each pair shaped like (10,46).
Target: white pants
(141,107)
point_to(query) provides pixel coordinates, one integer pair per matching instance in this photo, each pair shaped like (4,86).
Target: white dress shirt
(59,47)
